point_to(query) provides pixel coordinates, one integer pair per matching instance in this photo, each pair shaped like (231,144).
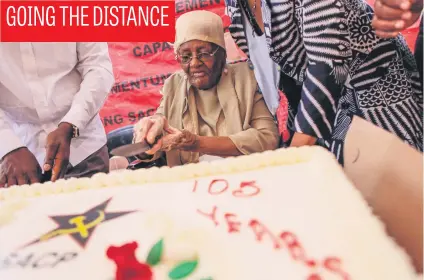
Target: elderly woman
(209,108)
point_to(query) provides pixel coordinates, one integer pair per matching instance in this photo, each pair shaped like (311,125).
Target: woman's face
(203,70)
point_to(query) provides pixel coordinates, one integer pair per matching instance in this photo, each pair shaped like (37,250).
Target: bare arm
(216,146)
(389,175)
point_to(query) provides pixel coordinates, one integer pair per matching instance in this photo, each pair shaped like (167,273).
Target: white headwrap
(199,25)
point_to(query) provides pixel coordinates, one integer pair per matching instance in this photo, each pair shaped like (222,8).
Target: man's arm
(95,67)
(389,175)
(9,140)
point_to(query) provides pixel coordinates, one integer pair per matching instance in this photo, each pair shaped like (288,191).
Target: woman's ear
(224,53)
(223,56)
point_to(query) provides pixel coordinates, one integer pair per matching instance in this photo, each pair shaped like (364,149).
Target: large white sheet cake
(288,214)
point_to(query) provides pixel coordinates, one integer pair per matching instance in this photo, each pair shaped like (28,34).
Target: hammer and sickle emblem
(80,227)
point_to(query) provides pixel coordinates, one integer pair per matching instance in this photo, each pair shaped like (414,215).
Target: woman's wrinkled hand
(179,139)
(156,131)
(150,129)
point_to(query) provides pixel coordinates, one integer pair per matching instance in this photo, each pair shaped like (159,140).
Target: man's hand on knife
(58,146)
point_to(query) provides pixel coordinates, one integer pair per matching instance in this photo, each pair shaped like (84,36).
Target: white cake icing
(8,210)
(299,195)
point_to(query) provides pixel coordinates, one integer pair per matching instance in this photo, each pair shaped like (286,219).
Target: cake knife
(134,149)
(131,150)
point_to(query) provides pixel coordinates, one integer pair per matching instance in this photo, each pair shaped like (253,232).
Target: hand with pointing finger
(393,16)
(58,147)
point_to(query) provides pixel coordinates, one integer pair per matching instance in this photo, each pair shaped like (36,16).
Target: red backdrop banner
(87,21)
(141,68)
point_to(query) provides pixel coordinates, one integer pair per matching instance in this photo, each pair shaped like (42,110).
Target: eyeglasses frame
(197,56)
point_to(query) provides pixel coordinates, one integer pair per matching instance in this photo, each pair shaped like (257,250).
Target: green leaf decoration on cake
(155,254)
(182,270)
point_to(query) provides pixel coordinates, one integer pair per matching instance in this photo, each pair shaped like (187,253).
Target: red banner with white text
(86,21)
(141,69)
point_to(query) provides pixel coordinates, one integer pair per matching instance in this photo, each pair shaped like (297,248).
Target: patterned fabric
(343,67)
(419,50)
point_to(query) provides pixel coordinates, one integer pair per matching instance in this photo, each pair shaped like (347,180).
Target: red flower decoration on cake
(128,268)
(127,265)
